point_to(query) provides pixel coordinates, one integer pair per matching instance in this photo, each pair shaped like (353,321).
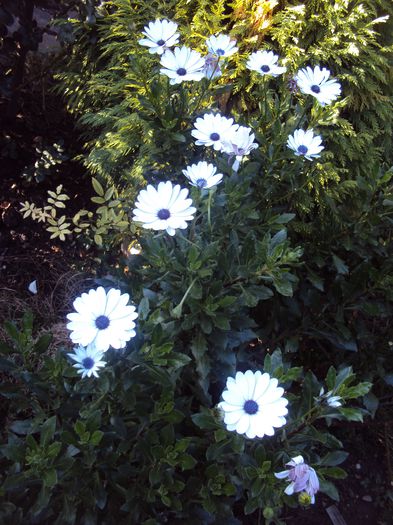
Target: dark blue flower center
(302,149)
(315,89)
(88,363)
(214,136)
(201,183)
(220,52)
(161,42)
(181,71)
(102,322)
(251,407)
(265,69)
(164,214)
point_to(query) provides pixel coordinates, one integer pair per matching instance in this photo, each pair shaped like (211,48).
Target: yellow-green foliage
(345,37)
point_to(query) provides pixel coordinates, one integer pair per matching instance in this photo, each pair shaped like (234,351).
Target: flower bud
(304,499)
(268,513)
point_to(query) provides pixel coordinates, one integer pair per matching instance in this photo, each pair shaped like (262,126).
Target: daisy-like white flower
(302,477)
(88,360)
(182,64)
(165,208)
(212,67)
(160,35)
(102,319)
(221,45)
(213,130)
(305,144)
(316,82)
(240,143)
(203,175)
(265,63)
(253,405)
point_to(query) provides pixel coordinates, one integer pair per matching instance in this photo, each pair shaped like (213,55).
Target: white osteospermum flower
(253,404)
(88,360)
(221,45)
(160,35)
(316,83)
(305,144)
(240,144)
(213,130)
(165,208)
(203,175)
(182,64)
(265,63)
(102,319)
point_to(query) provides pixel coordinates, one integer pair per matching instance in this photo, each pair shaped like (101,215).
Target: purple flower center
(251,407)
(161,42)
(164,214)
(201,183)
(214,136)
(315,89)
(102,322)
(302,149)
(265,69)
(181,71)
(88,363)
(220,52)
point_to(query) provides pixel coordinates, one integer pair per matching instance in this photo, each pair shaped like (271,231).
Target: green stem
(176,312)
(185,239)
(205,89)
(303,114)
(209,202)
(265,97)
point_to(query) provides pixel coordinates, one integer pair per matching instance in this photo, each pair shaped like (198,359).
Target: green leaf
(144,308)
(371,402)
(331,378)
(12,331)
(205,420)
(98,239)
(351,414)
(221,322)
(329,489)
(252,505)
(333,472)
(43,343)
(47,431)
(283,286)
(96,437)
(22,427)
(334,458)
(341,267)
(198,346)
(50,478)
(178,360)
(97,187)
(285,218)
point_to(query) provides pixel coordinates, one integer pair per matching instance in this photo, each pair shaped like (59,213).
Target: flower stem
(209,202)
(207,85)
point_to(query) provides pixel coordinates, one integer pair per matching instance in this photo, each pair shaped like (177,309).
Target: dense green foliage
(138,445)
(286,267)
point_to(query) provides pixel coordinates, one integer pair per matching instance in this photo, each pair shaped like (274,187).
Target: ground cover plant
(253,250)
